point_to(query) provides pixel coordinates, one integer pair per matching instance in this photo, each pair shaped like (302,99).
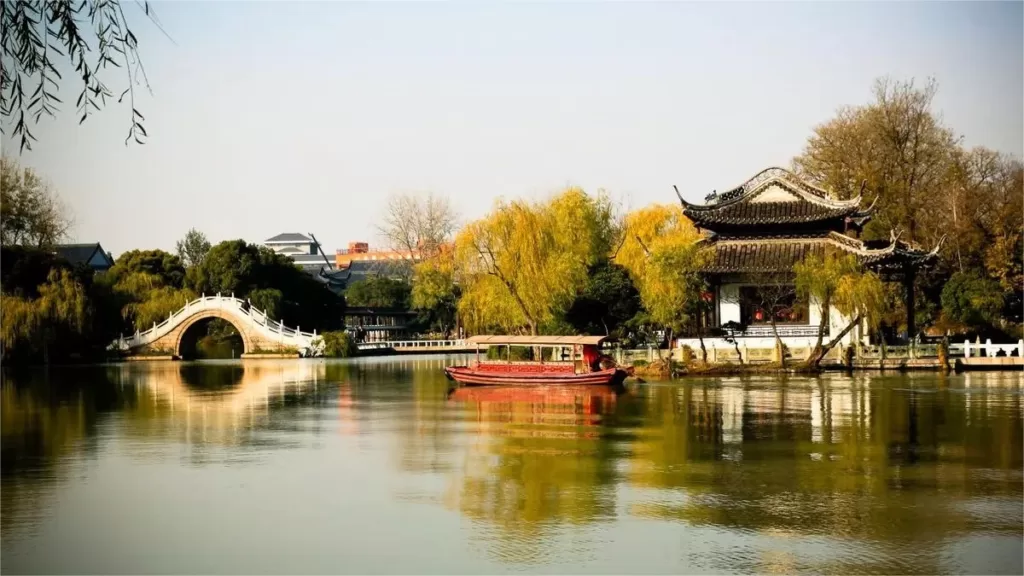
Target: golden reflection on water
(833,457)
(832,474)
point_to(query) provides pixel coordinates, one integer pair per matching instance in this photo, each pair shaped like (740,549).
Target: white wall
(729,310)
(729,303)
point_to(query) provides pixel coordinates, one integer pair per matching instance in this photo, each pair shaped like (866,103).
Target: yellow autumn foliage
(522,265)
(660,251)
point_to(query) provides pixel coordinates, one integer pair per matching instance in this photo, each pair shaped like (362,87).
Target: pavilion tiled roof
(754,254)
(748,213)
(774,197)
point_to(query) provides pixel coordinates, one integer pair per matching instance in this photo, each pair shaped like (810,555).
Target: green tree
(435,293)
(193,248)
(607,302)
(31,214)
(166,267)
(339,344)
(23,269)
(268,301)
(247,270)
(146,286)
(971,300)
(231,266)
(379,291)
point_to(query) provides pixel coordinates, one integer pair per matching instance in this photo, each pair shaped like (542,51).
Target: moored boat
(563,360)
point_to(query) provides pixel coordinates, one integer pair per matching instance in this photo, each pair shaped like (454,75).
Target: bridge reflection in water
(875,473)
(218,402)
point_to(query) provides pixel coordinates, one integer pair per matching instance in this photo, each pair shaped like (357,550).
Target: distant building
(91,255)
(302,249)
(360,252)
(378,324)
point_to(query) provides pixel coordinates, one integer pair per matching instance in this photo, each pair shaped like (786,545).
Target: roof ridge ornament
(938,246)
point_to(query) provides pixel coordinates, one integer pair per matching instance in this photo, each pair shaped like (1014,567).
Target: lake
(372,466)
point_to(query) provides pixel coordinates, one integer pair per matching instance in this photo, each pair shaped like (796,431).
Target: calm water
(371,467)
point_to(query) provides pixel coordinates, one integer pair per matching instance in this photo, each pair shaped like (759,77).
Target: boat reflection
(577,405)
(540,457)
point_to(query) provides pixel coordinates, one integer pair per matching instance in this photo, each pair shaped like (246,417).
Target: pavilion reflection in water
(869,457)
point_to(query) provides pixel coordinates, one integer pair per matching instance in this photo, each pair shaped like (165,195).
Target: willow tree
(435,291)
(32,327)
(840,282)
(522,265)
(660,250)
(83,38)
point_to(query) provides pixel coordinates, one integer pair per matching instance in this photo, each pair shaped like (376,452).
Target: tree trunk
(822,324)
(779,349)
(668,336)
(817,358)
(703,349)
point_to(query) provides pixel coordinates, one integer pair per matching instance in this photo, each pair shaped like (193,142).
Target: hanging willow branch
(91,35)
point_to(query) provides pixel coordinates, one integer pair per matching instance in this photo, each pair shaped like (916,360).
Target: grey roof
(82,253)
(289,237)
(311,258)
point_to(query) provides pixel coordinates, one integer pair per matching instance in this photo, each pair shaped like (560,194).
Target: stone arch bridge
(259,333)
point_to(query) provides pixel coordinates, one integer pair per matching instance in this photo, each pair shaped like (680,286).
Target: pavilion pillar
(909,275)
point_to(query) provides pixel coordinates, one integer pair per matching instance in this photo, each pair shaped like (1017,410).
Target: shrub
(971,300)
(339,345)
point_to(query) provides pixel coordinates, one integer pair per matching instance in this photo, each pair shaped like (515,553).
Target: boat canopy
(536,340)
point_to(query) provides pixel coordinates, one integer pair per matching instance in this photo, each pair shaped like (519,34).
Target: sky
(270,117)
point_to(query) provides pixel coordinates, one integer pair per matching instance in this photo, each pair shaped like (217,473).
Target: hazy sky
(302,117)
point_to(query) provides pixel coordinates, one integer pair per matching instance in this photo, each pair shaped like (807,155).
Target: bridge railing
(966,349)
(215,302)
(425,344)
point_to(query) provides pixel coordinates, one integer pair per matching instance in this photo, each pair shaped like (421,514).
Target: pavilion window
(789,311)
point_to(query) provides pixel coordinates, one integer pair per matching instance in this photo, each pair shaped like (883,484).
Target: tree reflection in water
(49,417)
(542,460)
(872,459)
(884,473)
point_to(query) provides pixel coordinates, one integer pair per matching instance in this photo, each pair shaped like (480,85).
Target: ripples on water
(376,466)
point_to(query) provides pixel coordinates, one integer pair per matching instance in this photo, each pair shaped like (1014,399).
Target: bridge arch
(248,346)
(257,331)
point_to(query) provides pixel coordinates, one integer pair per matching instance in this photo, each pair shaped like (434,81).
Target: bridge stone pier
(260,334)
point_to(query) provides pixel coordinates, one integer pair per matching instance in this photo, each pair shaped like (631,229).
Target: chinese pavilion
(769,223)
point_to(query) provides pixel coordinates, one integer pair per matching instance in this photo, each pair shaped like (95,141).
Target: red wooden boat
(573,360)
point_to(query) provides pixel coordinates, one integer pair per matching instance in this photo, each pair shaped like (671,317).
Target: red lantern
(759,315)
(707,296)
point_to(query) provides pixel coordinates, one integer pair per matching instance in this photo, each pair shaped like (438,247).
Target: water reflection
(867,459)
(541,461)
(894,474)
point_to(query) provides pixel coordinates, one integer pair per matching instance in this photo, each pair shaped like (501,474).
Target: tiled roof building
(771,222)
